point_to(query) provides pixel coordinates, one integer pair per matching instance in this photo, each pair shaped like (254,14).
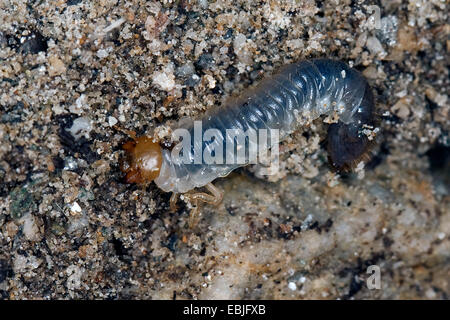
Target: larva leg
(173,202)
(217,193)
(215,199)
(193,214)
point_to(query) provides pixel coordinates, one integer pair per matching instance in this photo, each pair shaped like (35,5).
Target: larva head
(143,160)
(347,145)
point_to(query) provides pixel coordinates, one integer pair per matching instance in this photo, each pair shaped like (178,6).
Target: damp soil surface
(75,76)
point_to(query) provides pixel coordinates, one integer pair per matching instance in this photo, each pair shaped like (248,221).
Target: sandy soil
(71,228)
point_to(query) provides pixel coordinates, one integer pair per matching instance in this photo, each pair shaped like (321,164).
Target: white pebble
(292,286)
(81,127)
(164,81)
(112,121)
(30,228)
(75,207)
(102,53)
(375,47)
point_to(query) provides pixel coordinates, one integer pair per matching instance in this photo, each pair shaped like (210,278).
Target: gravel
(74,77)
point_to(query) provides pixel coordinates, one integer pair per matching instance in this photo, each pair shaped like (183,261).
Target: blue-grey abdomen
(298,93)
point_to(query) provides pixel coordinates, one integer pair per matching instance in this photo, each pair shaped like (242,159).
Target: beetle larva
(306,89)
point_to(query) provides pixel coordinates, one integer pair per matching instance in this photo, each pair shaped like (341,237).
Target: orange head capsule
(143,160)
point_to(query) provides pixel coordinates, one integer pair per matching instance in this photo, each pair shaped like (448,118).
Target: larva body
(299,92)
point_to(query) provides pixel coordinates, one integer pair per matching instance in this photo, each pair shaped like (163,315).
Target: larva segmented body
(303,90)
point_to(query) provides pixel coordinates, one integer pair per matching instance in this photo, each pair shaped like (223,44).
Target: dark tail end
(348,144)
